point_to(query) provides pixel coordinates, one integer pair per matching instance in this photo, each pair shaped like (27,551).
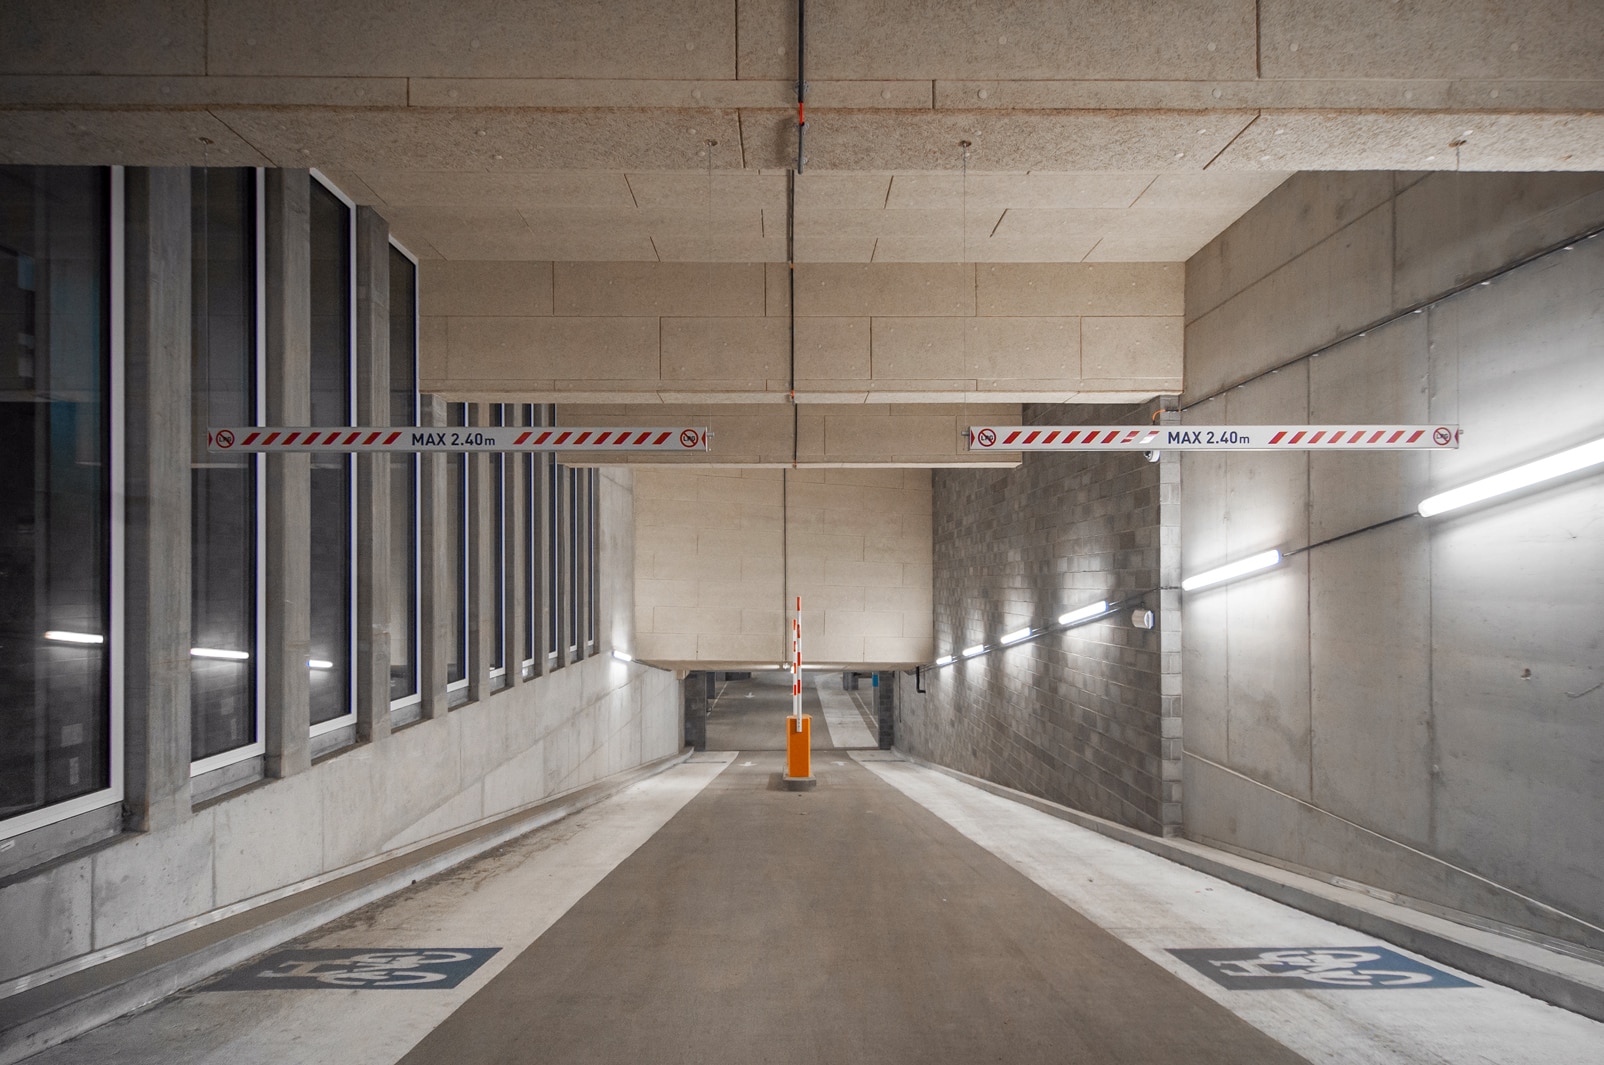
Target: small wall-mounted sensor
(1152,456)
(1142,618)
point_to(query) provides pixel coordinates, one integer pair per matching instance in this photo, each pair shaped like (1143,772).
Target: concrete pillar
(373,608)
(517,575)
(288,581)
(885,707)
(481,562)
(158,449)
(435,567)
(1169,624)
(694,691)
(540,514)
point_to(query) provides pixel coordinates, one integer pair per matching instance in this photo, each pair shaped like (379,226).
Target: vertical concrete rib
(481,582)
(435,635)
(289,477)
(158,443)
(373,607)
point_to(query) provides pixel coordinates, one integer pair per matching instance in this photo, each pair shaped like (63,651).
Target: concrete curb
(1569,981)
(51,1013)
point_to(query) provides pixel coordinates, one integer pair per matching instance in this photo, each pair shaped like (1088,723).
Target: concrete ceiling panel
(1210,190)
(699,248)
(198,91)
(985,190)
(434,188)
(131,138)
(1149,142)
(355,187)
(842,190)
(856,290)
(597,92)
(1300,140)
(726,353)
(1431,38)
(485,140)
(92,37)
(473,38)
(493,233)
(848,39)
(1131,352)
(691,191)
(1161,234)
(811,249)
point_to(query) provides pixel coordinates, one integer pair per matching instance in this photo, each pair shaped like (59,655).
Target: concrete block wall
(620,332)
(1086,717)
(721,554)
(1410,703)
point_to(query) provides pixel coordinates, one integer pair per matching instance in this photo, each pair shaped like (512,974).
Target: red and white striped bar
(1213,438)
(458,438)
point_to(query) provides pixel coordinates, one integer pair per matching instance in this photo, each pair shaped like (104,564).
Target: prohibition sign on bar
(458,438)
(1213,438)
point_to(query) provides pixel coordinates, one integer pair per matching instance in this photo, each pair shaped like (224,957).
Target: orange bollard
(799,752)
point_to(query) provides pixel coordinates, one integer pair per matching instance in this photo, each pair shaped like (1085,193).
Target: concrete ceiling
(518,146)
(842,216)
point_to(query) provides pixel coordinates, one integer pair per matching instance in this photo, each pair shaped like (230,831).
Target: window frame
(348,719)
(116,309)
(464,571)
(497,415)
(258,749)
(416,697)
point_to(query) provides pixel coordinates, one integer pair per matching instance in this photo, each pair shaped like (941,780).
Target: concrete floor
(892,915)
(749,715)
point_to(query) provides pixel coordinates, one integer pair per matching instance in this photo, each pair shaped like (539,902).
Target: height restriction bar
(1213,438)
(458,438)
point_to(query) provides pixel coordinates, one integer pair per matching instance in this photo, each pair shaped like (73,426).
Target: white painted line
(506,899)
(841,715)
(1152,904)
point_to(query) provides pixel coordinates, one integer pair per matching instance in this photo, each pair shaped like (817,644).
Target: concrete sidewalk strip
(842,716)
(504,899)
(1158,906)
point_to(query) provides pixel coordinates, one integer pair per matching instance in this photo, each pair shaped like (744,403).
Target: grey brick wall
(1087,717)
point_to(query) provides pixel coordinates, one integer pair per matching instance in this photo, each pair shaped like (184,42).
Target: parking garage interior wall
(1085,716)
(1409,703)
(721,554)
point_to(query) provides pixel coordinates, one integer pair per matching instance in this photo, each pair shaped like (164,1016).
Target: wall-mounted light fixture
(970,652)
(1142,618)
(63,636)
(623,656)
(319,663)
(1231,571)
(1085,613)
(218,652)
(1016,635)
(1546,469)
(944,660)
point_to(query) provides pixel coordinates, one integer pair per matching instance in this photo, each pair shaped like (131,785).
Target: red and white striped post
(798,727)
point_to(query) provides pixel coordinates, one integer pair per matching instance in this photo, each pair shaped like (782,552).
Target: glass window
(55,487)
(404,684)
(223,546)
(333,566)
(498,545)
(456,552)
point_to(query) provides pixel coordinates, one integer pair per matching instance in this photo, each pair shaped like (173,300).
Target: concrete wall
(517,748)
(621,332)
(1087,717)
(720,555)
(1411,703)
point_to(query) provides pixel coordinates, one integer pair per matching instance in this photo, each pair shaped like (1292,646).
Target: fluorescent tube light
(1577,458)
(1082,613)
(1016,635)
(318,663)
(970,652)
(62,636)
(217,652)
(623,656)
(944,660)
(1230,572)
